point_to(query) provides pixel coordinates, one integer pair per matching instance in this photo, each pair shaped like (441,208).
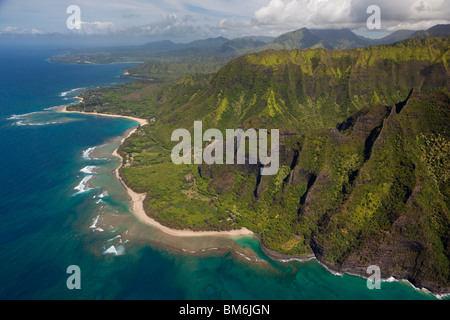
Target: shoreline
(137,208)
(141,122)
(137,199)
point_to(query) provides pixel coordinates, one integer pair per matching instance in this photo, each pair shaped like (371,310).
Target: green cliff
(364,164)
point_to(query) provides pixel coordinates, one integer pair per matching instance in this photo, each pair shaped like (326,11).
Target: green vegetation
(167,71)
(166,61)
(364,169)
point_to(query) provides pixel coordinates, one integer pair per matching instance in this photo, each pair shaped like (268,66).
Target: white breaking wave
(103,194)
(21,123)
(82,187)
(16,117)
(23,117)
(94,225)
(116,237)
(202,250)
(65,93)
(87,153)
(120,250)
(54,108)
(390,279)
(88,169)
(20,117)
(243,255)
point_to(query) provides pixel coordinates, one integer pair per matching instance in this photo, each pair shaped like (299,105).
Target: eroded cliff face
(364,169)
(365,192)
(374,191)
(393,210)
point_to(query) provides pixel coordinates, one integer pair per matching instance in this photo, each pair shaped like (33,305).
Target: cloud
(171,26)
(97,27)
(221,8)
(300,13)
(196,19)
(279,16)
(406,14)
(411,14)
(13,30)
(233,23)
(36,31)
(130,15)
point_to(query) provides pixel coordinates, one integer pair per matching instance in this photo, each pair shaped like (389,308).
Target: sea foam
(21,123)
(120,250)
(116,237)
(23,119)
(94,225)
(83,187)
(65,93)
(103,194)
(15,117)
(88,169)
(22,116)
(87,153)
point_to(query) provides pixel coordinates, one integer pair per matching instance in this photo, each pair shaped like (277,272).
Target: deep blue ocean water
(60,205)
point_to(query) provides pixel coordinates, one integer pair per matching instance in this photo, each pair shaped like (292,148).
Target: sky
(186,20)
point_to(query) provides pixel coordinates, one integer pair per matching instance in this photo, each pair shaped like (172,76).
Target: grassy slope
(375,190)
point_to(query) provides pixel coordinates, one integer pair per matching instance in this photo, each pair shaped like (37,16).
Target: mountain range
(364,170)
(170,52)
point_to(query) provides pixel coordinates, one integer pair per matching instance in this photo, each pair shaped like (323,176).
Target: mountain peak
(301,30)
(298,39)
(440,30)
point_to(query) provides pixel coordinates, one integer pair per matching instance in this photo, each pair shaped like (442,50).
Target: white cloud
(195,19)
(36,31)
(302,13)
(97,27)
(411,14)
(172,26)
(13,30)
(233,23)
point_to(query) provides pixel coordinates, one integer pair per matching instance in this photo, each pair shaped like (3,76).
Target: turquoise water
(61,205)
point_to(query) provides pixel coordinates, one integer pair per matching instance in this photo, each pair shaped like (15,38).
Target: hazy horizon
(137,21)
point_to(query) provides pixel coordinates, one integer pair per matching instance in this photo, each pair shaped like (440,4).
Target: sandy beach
(137,203)
(142,122)
(137,200)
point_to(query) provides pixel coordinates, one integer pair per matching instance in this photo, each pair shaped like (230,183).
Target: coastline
(282,257)
(137,203)
(137,200)
(137,208)
(142,122)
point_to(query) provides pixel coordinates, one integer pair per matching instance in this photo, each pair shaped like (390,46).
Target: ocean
(61,205)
